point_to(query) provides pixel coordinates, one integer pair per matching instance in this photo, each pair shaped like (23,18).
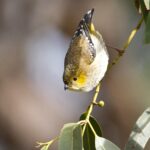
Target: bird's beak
(65,87)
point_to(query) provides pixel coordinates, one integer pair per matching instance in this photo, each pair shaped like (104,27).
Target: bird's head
(74,78)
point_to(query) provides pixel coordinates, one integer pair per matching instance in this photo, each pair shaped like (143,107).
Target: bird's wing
(82,39)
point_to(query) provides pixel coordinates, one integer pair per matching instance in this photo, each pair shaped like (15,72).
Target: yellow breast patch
(81,79)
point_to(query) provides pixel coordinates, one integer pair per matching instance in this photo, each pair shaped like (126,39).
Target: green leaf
(137,5)
(143,10)
(147,30)
(93,122)
(104,144)
(70,137)
(140,133)
(143,6)
(147,4)
(89,137)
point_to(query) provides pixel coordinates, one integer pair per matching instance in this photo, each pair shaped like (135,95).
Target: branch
(115,61)
(90,108)
(128,42)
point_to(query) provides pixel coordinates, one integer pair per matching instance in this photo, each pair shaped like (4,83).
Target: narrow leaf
(143,6)
(104,144)
(147,4)
(140,133)
(94,123)
(89,137)
(70,137)
(147,30)
(137,5)
(143,10)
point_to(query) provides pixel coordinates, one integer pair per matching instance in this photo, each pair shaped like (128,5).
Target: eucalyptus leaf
(93,122)
(89,137)
(143,10)
(143,6)
(140,133)
(104,144)
(137,5)
(147,29)
(147,4)
(70,137)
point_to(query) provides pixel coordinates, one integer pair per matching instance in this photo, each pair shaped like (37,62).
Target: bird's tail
(88,16)
(88,19)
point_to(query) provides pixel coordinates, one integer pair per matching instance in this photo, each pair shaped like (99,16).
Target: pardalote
(86,60)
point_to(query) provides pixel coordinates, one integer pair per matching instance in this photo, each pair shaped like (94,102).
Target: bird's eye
(75,79)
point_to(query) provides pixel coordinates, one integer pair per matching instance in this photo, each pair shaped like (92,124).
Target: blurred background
(34,37)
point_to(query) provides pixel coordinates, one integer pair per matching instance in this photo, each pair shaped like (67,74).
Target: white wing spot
(89,12)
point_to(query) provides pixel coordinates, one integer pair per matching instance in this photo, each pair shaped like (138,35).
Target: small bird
(86,60)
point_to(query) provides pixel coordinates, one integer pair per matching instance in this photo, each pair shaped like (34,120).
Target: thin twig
(47,144)
(126,45)
(92,128)
(90,108)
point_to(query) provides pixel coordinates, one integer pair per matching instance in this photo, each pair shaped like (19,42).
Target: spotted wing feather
(81,45)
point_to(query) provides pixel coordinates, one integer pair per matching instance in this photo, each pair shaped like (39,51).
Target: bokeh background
(34,37)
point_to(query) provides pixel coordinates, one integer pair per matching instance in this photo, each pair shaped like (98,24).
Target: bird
(87,58)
